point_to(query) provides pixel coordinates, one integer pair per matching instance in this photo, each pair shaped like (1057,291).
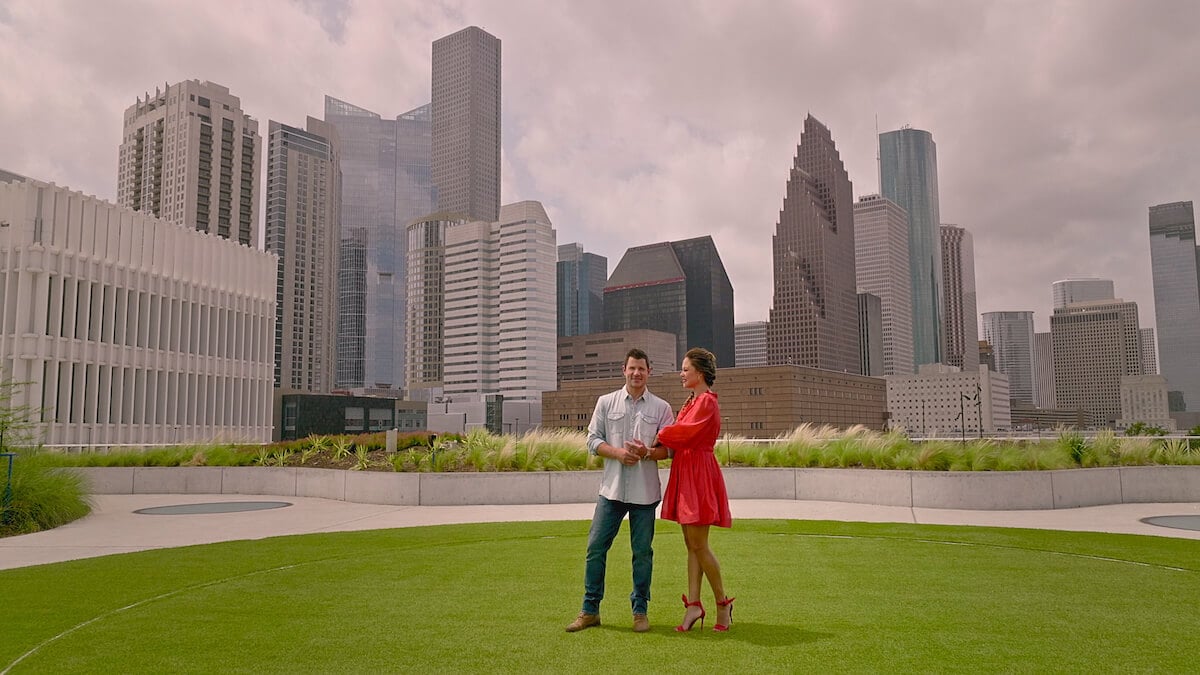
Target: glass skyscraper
(386,182)
(908,176)
(1175,260)
(1011,337)
(581,280)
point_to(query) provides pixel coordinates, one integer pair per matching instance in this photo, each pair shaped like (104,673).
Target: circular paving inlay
(211,507)
(1177,522)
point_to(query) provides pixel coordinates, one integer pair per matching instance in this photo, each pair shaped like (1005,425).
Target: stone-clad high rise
(960,322)
(814,312)
(466,123)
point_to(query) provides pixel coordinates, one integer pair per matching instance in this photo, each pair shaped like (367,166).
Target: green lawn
(812,596)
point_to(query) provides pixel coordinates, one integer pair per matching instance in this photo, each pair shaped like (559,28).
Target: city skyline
(1050,149)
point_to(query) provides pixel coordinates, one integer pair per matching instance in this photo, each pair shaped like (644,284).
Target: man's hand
(635,451)
(638,448)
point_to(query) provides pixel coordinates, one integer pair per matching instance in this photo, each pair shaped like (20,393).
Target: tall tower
(1095,344)
(1011,337)
(1175,260)
(908,176)
(581,280)
(500,306)
(426,306)
(960,323)
(881,267)
(385,184)
(303,210)
(814,314)
(189,155)
(466,123)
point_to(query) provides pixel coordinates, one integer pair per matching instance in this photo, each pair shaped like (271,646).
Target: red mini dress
(695,492)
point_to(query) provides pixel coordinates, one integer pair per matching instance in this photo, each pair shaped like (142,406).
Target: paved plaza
(115,527)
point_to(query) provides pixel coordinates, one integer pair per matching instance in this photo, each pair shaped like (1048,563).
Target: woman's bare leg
(696,538)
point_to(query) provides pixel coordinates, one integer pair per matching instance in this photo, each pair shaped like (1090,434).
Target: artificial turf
(812,596)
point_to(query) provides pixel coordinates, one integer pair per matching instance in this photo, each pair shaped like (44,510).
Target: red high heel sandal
(683,628)
(728,602)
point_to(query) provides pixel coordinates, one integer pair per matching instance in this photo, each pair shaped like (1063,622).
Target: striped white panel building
(126,329)
(501,310)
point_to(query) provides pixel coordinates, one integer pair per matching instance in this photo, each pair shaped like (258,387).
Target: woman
(695,496)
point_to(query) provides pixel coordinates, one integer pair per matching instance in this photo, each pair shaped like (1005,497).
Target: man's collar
(645,390)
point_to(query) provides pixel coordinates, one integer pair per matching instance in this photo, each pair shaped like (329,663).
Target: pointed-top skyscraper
(908,176)
(466,123)
(814,314)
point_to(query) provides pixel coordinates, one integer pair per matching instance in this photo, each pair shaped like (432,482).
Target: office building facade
(500,328)
(1011,337)
(189,155)
(1043,370)
(302,230)
(881,265)
(1095,345)
(870,335)
(761,402)
(466,123)
(960,321)
(678,287)
(908,176)
(601,355)
(750,344)
(582,277)
(129,329)
(814,318)
(1149,347)
(386,183)
(424,323)
(1175,265)
(942,400)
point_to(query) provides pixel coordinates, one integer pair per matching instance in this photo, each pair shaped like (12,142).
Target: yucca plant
(263,456)
(340,448)
(280,457)
(362,459)
(316,443)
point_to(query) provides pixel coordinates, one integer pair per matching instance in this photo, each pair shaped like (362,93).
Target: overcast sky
(1057,123)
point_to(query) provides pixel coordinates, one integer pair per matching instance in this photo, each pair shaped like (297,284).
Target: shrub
(42,496)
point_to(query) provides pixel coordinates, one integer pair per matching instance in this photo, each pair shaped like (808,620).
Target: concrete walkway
(113,527)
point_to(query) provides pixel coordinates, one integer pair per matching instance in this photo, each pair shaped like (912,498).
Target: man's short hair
(636,353)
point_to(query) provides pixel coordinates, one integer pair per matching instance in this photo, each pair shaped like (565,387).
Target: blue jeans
(605,523)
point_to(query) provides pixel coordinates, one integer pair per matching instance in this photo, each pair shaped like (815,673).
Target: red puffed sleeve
(698,425)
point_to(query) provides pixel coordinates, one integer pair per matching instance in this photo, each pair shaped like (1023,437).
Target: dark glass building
(675,287)
(582,277)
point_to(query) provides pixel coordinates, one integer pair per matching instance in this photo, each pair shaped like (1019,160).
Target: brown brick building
(755,402)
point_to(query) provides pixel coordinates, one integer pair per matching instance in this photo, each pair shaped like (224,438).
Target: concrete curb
(983,491)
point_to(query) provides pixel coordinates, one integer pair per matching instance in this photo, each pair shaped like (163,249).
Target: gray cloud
(1057,123)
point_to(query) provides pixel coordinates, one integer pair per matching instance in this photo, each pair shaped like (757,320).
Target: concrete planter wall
(1001,490)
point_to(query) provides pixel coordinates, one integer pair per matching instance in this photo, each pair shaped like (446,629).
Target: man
(624,424)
